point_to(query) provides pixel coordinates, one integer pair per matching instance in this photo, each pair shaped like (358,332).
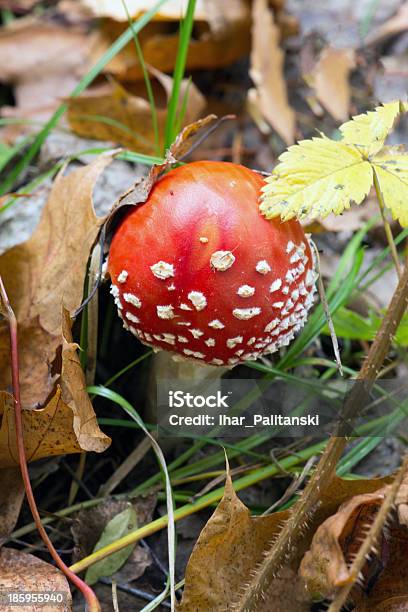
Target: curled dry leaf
(383,584)
(232,544)
(325,566)
(44,279)
(221,35)
(24,573)
(109,112)
(268,101)
(330,79)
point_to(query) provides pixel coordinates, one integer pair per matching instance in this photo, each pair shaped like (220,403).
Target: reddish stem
(89,595)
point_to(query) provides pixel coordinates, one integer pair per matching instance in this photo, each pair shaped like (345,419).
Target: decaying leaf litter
(296,50)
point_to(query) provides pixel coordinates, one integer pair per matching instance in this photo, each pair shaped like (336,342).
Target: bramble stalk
(89,595)
(285,547)
(387,227)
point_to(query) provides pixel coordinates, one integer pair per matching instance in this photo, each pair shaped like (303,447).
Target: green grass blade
(146,77)
(184,40)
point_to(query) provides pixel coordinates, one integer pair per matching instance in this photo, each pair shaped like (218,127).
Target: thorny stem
(387,228)
(370,541)
(284,549)
(89,595)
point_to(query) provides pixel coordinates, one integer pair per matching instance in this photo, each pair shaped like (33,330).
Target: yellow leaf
(314,178)
(391,170)
(368,131)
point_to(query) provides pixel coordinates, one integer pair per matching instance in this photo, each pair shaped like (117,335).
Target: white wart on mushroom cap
(197,270)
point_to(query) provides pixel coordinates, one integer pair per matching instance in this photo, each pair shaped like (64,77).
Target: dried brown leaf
(44,279)
(221,35)
(21,572)
(109,112)
(232,543)
(330,79)
(269,99)
(229,546)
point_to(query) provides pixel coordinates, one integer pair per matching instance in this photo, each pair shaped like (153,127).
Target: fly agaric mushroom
(197,270)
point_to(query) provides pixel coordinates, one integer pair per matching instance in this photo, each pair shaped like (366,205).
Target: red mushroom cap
(198,270)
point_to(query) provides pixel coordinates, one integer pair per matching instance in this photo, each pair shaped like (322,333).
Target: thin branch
(89,595)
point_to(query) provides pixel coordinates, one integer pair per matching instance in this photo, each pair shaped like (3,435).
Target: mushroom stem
(164,366)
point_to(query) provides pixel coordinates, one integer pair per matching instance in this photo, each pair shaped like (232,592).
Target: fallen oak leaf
(45,274)
(229,546)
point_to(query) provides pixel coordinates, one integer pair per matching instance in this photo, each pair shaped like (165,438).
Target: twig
(387,228)
(115,597)
(89,595)
(370,540)
(293,487)
(326,309)
(126,467)
(286,545)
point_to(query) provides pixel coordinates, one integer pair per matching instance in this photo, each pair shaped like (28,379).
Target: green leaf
(121,524)
(314,178)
